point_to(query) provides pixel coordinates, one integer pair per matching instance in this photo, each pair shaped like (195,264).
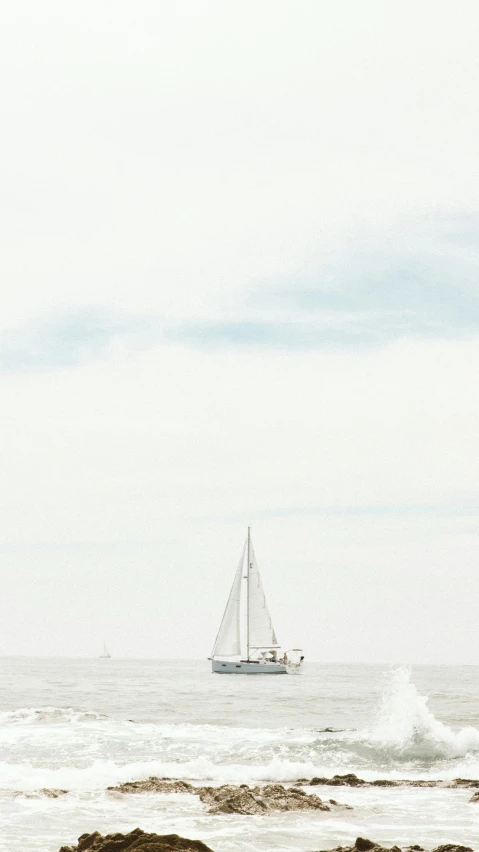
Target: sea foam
(101,774)
(407,728)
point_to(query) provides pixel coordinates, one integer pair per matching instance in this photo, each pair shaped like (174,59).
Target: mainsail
(228,640)
(261,631)
(105,653)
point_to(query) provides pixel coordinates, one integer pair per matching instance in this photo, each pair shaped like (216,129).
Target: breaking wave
(406,728)
(49,715)
(101,774)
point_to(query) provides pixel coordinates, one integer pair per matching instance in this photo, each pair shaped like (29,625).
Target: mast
(247,594)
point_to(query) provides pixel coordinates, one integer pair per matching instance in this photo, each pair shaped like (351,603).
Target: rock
(336,804)
(137,840)
(230,799)
(47,792)
(349,780)
(364,845)
(451,847)
(153,785)
(475,797)
(330,730)
(234,799)
(465,782)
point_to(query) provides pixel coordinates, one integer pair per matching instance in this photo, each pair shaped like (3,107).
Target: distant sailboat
(246,642)
(105,654)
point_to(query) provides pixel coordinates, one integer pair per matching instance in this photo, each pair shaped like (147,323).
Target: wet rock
(451,847)
(230,799)
(46,792)
(138,840)
(352,780)
(153,785)
(330,730)
(465,782)
(349,780)
(340,805)
(234,799)
(362,844)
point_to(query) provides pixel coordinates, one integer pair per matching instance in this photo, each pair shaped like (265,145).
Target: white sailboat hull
(247,667)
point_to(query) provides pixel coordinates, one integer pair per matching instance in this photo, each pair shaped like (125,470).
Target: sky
(239,286)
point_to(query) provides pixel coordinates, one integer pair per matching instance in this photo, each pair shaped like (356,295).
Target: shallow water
(83,725)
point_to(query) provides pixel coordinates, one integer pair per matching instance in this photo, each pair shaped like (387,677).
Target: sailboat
(246,642)
(105,654)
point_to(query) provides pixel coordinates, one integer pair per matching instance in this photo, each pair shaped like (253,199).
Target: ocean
(83,725)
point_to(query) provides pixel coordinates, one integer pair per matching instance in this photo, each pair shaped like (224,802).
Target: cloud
(419,284)
(165,169)
(65,341)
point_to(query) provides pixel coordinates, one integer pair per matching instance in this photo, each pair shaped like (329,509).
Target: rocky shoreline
(230,798)
(261,799)
(275,792)
(352,780)
(141,841)
(171,785)
(245,800)
(236,799)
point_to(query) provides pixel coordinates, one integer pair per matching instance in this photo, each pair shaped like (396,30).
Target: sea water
(84,725)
